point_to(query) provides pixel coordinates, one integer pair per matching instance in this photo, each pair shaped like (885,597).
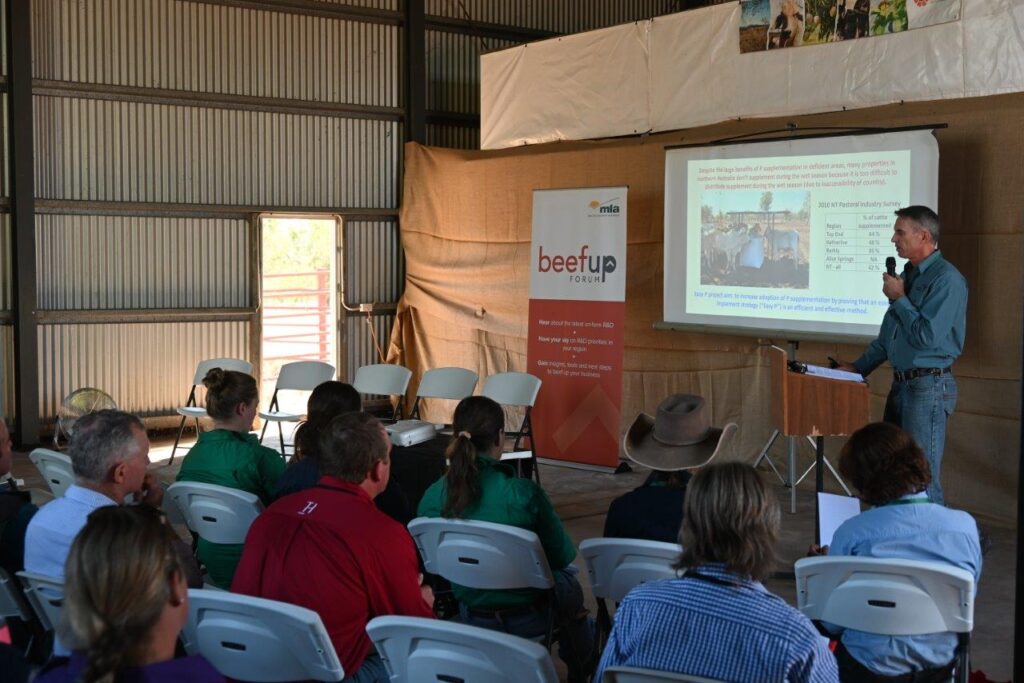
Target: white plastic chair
(481,555)
(484,555)
(56,469)
(46,596)
(190,409)
(384,379)
(889,597)
(417,650)
(629,674)
(618,565)
(217,513)
(254,639)
(516,389)
(303,375)
(453,384)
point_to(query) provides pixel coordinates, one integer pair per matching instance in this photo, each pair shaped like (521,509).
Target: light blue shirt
(51,531)
(925,328)
(923,531)
(728,628)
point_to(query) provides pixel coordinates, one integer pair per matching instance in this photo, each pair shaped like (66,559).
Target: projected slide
(789,236)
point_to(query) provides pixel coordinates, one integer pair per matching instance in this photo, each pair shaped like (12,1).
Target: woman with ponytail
(478,486)
(125,602)
(229,455)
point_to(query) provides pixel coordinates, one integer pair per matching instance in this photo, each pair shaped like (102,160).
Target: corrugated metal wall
(118,262)
(557,16)
(139,364)
(98,150)
(161,128)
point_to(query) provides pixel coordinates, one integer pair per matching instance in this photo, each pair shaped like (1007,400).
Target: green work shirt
(507,499)
(238,461)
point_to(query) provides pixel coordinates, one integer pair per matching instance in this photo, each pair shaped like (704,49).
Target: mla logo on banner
(610,207)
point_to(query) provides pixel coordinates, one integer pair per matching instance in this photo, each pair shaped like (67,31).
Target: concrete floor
(581,499)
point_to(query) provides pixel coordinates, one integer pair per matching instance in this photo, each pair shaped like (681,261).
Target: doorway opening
(299,310)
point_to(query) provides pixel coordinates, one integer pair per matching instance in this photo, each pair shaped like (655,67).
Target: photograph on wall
(774,24)
(888,16)
(756,239)
(820,21)
(921,13)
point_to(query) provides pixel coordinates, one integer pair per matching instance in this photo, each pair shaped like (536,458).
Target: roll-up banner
(577,309)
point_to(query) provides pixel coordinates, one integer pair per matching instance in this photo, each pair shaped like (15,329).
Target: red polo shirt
(331,550)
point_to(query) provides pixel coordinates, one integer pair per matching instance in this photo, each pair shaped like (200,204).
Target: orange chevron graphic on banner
(595,406)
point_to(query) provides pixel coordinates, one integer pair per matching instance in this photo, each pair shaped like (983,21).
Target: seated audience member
(327,401)
(329,549)
(109,453)
(16,509)
(678,438)
(126,600)
(478,487)
(892,475)
(717,620)
(229,455)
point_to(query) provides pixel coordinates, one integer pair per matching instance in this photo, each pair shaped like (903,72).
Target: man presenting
(922,334)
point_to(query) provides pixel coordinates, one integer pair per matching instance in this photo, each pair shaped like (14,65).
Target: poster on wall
(577,310)
(775,24)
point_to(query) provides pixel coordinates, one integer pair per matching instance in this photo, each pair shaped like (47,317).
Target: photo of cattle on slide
(755,248)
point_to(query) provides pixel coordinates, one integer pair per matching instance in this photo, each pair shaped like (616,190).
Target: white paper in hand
(833,510)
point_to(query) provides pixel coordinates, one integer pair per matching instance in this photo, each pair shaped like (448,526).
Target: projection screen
(788,238)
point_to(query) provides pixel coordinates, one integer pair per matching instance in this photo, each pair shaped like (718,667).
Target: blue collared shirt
(734,632)
(925,328)
(51,531)
(54,527)
(923,531)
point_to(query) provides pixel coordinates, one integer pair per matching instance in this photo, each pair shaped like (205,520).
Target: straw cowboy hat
(679,437)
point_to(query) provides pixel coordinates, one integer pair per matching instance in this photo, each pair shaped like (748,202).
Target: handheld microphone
(890,266)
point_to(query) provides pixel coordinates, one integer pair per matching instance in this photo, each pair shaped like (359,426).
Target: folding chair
(417,650)
(190,409)
(46,596)
(384,379)
(13,605)
(216,513)
(12,601)
(55,468)
(890,597)
(254,639)
(453,384)
(303,375)
(483,555)
(618,565)
(516,389)
(629,674)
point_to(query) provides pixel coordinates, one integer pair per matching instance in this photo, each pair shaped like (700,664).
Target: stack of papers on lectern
(822,371)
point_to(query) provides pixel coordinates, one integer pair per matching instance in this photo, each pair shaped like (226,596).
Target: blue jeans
(921,407)
(372,670)
(576,629)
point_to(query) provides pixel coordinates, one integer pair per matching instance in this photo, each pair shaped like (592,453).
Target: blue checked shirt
(914,531)
(735,632)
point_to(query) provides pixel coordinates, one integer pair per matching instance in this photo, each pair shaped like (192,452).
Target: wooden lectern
(807,405)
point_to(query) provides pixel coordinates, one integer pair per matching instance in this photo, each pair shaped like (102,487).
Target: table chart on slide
(857,242)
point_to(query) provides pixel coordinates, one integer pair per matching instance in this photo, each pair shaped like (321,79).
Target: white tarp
(596,81)
(686,70)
